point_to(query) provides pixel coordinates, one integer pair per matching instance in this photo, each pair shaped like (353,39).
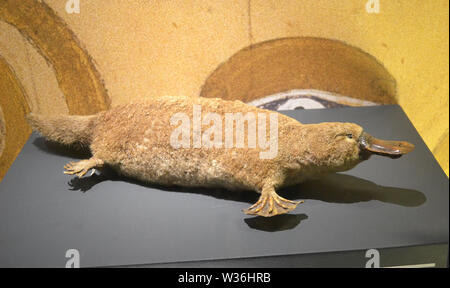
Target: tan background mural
(13,128)
(114,52)
(286,64)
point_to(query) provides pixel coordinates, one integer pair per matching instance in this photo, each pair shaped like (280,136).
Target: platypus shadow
(275,223)
(342,188)
(334,188)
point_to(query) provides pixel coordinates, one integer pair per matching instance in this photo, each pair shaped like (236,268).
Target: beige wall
(152,48)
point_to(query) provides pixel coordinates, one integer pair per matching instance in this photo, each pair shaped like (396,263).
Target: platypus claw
(271,204)
(80,168)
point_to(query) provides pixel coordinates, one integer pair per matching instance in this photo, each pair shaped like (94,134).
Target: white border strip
(310,92)
(425,265)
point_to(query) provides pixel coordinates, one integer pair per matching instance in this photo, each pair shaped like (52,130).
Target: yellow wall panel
(154,48)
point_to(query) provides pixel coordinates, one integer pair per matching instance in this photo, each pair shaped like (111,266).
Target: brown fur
(64,129)
(134,140)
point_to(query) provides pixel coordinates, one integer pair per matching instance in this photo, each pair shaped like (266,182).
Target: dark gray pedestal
(400,207)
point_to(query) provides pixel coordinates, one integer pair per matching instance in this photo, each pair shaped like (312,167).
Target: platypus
(186,141)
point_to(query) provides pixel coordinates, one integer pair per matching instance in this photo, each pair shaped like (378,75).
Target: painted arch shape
(76,74)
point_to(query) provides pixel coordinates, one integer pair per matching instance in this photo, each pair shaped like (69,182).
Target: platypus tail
(64,129)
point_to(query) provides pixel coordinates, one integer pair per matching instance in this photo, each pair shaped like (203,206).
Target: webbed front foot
(80,168)
(271,204)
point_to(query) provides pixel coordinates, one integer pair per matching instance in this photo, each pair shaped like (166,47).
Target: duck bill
(392,149)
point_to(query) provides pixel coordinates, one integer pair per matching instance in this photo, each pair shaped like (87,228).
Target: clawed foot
(80,168)
(271,204)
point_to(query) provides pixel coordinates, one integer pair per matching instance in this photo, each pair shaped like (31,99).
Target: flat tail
(64,129)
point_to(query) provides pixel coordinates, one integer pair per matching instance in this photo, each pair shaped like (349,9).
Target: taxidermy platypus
(156,141)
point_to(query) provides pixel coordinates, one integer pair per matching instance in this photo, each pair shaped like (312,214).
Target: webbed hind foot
(80,168)
(271,204)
